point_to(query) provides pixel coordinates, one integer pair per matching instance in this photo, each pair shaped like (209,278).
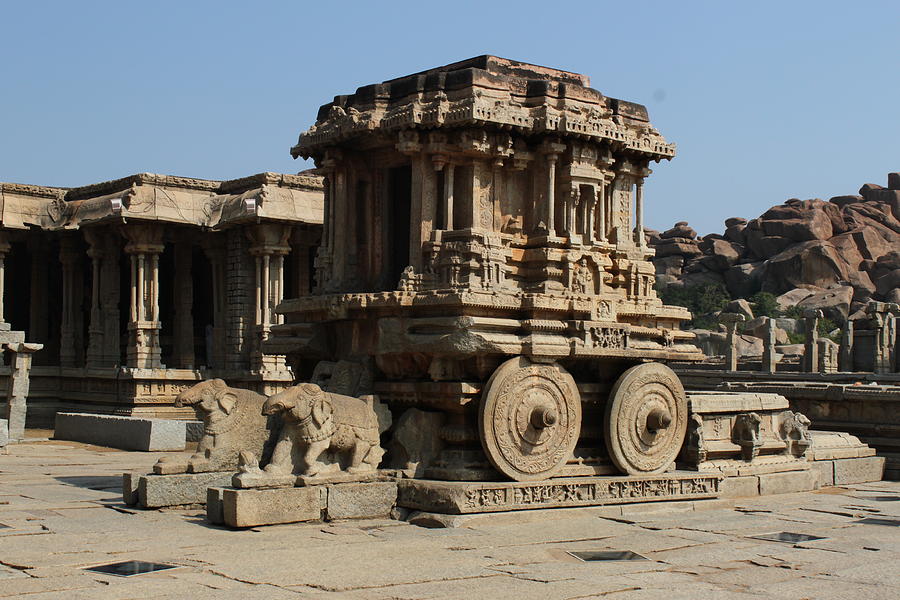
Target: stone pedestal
(17,391)
(156,491)
(270,506)
(462,497)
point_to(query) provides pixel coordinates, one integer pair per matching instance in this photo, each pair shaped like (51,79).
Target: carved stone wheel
(646,419)
(529,419)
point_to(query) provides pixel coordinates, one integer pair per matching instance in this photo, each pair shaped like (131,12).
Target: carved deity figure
(584,279)
(232,422)
(319,424)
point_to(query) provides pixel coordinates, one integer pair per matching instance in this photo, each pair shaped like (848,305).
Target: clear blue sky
(766,100)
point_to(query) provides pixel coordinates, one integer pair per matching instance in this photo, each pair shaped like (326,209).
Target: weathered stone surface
(130,488)
(415,441)
(834,303)
(740,487)
(249,508)
(720,254)
(758,328)
(680,230)
(745,279)
(887,283)
(786,483)
(739,306)
(128,433)
(793,297)
(361,500)
(461,497)
(858,470)
(894,181)
(214,509)
(671,247)
(824,471)
(4,432)
(814,263)
(155,491)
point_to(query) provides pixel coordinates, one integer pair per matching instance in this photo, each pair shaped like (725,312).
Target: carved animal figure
(233,422)
(316,422)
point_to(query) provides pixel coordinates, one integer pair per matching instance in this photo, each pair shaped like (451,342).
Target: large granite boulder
(680,230)
(834,303)
(816,263)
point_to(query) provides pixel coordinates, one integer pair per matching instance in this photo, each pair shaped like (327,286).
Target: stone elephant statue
(233,422)
(316,422)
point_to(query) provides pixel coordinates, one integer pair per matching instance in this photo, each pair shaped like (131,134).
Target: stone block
(787,483)
(214,512)
(130,488)
(824,470)
(740,487)
(361,500)
(249,508)
(193,431)
(4,432)
(127,433)
(858,470)
(155,491)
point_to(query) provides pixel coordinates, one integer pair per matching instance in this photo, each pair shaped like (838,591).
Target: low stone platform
(126,433)
(178,489)
(463,497)
(270,506)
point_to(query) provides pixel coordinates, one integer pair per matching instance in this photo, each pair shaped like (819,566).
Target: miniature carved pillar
(845,361)
(71,338)
(571,208)
(449,170)
(590,226)
(269,244)
(497,193)
(601,213)
(731,320)
(811,346)
(4,248)
(183,347)
(17,388)
(551,194)
(769,360)
(639,212)
(144,247)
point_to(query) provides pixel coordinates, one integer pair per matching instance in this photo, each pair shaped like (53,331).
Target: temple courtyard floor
(61,511)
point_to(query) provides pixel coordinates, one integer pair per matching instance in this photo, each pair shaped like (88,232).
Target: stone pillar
(449,170)
(731,320)
(103,349)
(17,389)
(811,346)
(551,194)
(183,290)
(770,359)
(144,246)
(71,338)
(845,361)
(269,244)
(4,249)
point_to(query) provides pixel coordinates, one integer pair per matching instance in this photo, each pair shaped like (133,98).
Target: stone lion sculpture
(317,423)
(233,422)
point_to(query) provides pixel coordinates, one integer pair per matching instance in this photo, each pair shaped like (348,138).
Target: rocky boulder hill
(835,256)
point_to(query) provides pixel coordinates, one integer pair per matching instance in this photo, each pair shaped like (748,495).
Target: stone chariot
(483,259)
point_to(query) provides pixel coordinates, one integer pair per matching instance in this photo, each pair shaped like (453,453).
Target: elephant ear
(227,402)
(321,410)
